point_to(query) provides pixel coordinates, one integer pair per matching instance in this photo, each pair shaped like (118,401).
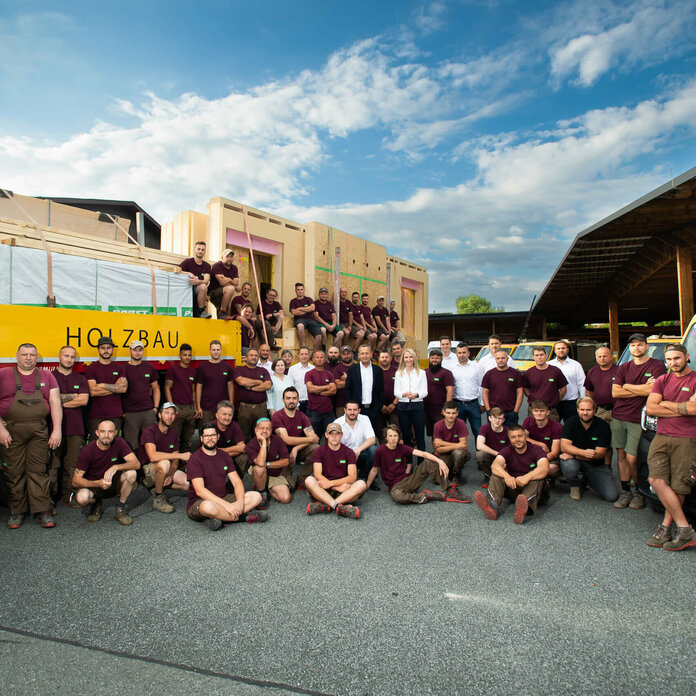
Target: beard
(435,368)
(332,361)
(209,448)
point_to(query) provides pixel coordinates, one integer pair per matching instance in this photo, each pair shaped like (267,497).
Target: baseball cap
(637,337)
(169,404)
(136,344)
(381,297)
(334,428)
(105,341)
(227,252)
(346,349)
(323,290)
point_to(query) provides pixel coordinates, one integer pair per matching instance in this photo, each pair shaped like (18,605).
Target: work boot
(434,495)
(521,508)
(161,504)
(575,493)
(684,538)
(317,508)
(15,521)
(95,512)
(637,501)
(348,511)
(454,495)
(213,524)
(624,500)
(122,517)
(660,536)
(488,511)
(45,519)
(256,517)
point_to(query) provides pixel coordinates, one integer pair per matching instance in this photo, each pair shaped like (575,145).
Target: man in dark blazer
(365,384)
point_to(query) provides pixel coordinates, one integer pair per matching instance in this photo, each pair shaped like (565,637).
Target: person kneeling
(209,470)
(517,472)
(335,482)
(392,460)
(270,460)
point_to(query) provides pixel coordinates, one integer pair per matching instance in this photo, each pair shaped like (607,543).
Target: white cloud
(429,18)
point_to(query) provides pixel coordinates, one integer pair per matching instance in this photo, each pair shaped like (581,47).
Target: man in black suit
(365,384)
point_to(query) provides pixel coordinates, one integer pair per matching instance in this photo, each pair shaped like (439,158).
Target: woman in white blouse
(410,388)
(280,382)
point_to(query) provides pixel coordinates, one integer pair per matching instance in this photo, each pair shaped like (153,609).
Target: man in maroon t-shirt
(397,350)
(179,389)
(396,333)
(387,415)
(392,460)
(598,386)
(371,333)
(74,394)
(518,472)
(449,441)
(209,472)
(244,298)
(321,387)
(544,382)
(159,458)
(252,384)
(335,484)
(380,316)
(440,389)
(492,437)
(105,468)
(545,433)
(107,382)
(199,272)
(348,321)
(273,315)
(231,440)
(325,315)
(224,282)
(302,309)
(214,383)
(270,461)
(502,387)
(141,401)
(340,372)
(631,387)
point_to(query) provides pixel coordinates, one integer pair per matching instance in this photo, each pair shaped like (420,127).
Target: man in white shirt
(573,372)
(487,362)
(449,359)
(265,358)
(359,435)
(467,388)
(297,373)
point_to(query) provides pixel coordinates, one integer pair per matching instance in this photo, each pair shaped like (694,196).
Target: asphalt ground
(430,599)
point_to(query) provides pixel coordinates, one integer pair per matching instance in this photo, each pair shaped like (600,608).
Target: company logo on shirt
(341,461)
(648,374)
(593,438)
(114,373)
(686,389)
(397,461)
(552,379)
(76,386)
(511,379)
(114,459)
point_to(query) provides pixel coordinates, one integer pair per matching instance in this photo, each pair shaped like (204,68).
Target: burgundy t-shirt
(325,310)
(437,390)
(458,432)
(296,303)
(677,389)
(550,432)
(229,437)
(339,372)
(502,386)
(544,384)
(345,306)
(246,336)
(276,450)
(518,464)
(294,426)
(214,378)
(105,406)
(74,383)
(8,388)
(164,442)
(388,377)
(246,395)
(182,379)
(319,402)
(357,313)
(190,266)
(230,272)
(140,377)
(392,463)
(95,461)
(334,462)
(599,382)
(239,302)
(214,471)
(629,373)
(496,441)
(382,313)
(269,309)
(367,314)
(393,318)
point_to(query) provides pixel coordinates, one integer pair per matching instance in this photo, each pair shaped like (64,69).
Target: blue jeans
(600,478)
(412,417)
(320,421)
(470,411)
(366,461)
(511,418)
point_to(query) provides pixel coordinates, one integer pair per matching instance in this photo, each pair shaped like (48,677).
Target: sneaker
(684,538)
(317,508)
(15,521)
(624,500)
(575,493)
(660,536)
(45,519)
(260,516)
(265,500)
(161,504)
(205,315)
(348,511)
(95,512)
(53,510)
(213,524)
(423,500)
(434,495)
(454,495)
(521,507)
(488,511)
(122,517)
(637,501)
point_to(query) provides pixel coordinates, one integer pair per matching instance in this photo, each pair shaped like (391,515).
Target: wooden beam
(686,285)
(614,326)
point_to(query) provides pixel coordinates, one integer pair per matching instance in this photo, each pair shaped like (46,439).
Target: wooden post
(614,327)
(686,286)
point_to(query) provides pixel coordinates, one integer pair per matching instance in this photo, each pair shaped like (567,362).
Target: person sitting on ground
(392,461)
(231,440)
(449,441)
(270,460)
(209,470)
(335,484)
(545,433)
(359,435)
(492,437)
(105,468)
(518,472)
(159,458)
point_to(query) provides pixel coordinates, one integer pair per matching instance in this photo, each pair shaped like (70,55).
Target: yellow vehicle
(49,329)
(656,348)
(507,347)
(523,355)
(689,340)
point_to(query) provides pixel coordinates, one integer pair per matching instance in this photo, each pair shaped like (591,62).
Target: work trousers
(405,491)
(304,458)
(65,458)
(599,477)
(133,425)
(248,414)
(497,490)
(455,461)
(185,424)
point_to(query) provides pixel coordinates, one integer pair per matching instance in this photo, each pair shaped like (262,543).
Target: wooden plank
(686,285)
(614,343)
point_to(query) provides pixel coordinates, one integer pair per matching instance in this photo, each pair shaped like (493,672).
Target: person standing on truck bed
(141,401)
(179,389)
(214,383)
(107,381)
(199,272)
(224,281)
(27,396)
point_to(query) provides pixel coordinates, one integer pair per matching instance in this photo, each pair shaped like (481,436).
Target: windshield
(690,343)
(655,350)
(526,351)
(486,350)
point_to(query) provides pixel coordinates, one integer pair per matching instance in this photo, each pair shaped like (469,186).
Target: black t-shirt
(597,435)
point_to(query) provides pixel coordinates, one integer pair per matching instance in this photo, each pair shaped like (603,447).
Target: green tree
(475,304)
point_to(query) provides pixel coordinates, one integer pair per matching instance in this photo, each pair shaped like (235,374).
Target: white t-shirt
(297,373)
(353,437)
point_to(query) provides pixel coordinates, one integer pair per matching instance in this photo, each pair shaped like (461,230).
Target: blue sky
(474,137)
